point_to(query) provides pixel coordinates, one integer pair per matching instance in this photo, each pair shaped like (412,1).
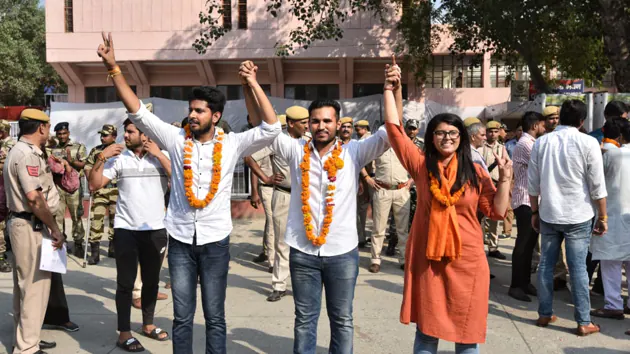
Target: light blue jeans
(578,239)
(429,345)
(338,276)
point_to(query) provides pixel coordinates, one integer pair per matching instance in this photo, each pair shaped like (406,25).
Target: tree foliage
(545,33)
(615,17)
(320,20)
(567,35)
(23,67)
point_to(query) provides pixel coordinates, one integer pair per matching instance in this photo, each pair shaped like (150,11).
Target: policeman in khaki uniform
(297,122)
(76,154)
(392,184)
(262,193)
(362,129)
(6,143)
(32,200)
(103,200)
(492,145)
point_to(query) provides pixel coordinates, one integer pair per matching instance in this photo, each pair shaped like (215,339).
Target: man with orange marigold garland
(322,229)
(198,219)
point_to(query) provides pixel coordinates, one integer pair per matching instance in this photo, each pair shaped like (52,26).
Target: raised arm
(255,97)
(163,133)
(152,148)
(254,139)
(408,153)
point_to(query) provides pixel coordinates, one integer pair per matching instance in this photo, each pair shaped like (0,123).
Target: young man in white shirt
(198,219)
(324,178)
(142,172)
(566,172)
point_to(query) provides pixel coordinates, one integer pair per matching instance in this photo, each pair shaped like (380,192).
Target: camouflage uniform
(74,200)
(103,200)
(5,146)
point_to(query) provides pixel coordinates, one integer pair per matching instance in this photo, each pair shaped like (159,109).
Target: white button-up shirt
(142,185)
(566,171)
(342,237)
(214,222)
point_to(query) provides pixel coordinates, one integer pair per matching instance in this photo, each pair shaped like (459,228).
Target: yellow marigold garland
(331,166)
(437,193)
(188,172)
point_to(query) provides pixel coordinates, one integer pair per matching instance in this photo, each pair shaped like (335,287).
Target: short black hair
(530,118)
(28,126)
(325,103)
(611,129)
(128,122)
(624,129)
(615,109)
(573,113)
(212,95)
(184,122)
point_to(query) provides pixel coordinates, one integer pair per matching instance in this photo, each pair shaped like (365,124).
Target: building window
(180,93)
(313,92)
(235,92)
(227,14)
(242,14)
(362,90)
(448,71)
(231,92)
(503,72)
(102,94)
(68,16)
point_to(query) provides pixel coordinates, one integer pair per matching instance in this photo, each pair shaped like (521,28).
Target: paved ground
(256,326)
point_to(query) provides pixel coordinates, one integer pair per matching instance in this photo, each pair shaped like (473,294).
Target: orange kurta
(447,300)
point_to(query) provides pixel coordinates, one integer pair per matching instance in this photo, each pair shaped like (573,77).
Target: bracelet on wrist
(603,218)
(534,212)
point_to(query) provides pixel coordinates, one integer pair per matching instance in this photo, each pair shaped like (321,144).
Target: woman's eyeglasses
(441,134)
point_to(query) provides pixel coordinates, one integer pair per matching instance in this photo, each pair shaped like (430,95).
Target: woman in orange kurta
(446,273)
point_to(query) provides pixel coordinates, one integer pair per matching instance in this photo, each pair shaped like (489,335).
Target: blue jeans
(429,345)
(208,263)
(338,275)
(578,239)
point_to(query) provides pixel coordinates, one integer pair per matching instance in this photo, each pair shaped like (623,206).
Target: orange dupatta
(444,240)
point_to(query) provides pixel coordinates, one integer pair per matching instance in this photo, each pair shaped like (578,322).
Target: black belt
(284,189)
(22,215)
(266,185)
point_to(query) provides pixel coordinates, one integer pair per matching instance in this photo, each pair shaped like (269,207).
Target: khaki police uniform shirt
(486,152)
(369,168)
(389,170)
(77,152)
(279,165)
(26,170)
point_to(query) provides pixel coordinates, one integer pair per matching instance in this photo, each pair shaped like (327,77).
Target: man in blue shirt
(613,109)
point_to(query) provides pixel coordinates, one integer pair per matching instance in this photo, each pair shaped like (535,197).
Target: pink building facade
(153,40)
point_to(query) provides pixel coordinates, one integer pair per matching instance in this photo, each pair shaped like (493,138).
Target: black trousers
(57,312)
(132,247)
(526,240)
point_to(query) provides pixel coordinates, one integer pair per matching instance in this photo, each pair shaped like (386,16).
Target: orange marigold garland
(443,199)
(193,201)
(611,141)
(331,166)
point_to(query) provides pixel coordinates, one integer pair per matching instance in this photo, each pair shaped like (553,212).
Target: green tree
(23,67)
(544,33)
(615,17)
(566,35)
(320,20)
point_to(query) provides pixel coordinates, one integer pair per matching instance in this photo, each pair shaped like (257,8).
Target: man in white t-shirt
(142,172)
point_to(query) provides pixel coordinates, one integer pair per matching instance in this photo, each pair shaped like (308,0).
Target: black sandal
(129,343)
(155,334)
